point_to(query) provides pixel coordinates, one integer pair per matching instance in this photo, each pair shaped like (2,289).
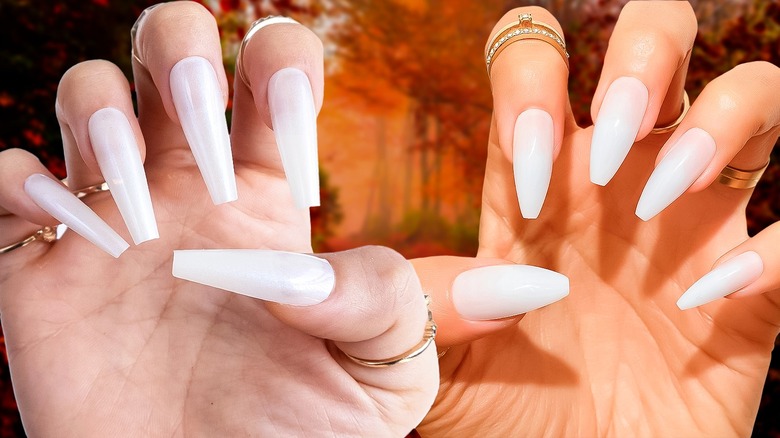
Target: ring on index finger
(525,28)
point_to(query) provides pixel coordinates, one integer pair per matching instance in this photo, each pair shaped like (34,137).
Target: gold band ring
(428,337)
(525,28)
(49,234)
(741,179)
(253,28)
(686,105)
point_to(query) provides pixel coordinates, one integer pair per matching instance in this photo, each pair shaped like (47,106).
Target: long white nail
(201,111)
(494,292)
(616,127)
(678,170)
(532,156)
(278,276)
(294,119)
(119,159)
(731,276)
(68,209)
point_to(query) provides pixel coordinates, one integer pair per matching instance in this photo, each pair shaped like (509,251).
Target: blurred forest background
(407,106)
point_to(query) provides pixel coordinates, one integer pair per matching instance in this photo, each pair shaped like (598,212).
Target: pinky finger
(31,193)
(747,270)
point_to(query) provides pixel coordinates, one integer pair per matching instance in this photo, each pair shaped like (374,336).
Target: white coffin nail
(68,209)
(294,119)
(201,111)
(686,160)
(731,276)
(117,155)
(532,156)
(494,292)
(616,127)
(278,276)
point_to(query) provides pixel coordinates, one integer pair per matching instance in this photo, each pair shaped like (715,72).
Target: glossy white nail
(201,111)
(278,276)
(119,159)
(686,160)
(500,291)
(616,127)
(532,157)
(729,277)
(294,119)
(56,200)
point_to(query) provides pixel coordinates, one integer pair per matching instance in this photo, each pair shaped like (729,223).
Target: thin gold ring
(253,28)
(48,234)
(428,337)
(741,179)
(525,28)
(686,105)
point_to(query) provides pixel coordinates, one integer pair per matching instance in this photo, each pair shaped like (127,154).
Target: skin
(616,357)
(114,347)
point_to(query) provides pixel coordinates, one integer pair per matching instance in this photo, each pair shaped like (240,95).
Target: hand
(617,356)
(109,347)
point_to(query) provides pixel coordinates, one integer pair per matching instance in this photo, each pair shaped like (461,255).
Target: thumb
(366,301)
(474,297)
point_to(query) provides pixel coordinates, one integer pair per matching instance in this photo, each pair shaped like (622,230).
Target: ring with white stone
(524,29)
(253,28)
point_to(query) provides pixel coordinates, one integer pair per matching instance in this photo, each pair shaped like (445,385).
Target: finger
(95,108)
(749,269)
(529,78)
(35,196)
(182,88)
(278,94)
(642,82)
(475,297)
(367,300)
(748,97)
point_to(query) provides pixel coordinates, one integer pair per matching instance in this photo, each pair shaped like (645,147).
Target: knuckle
(16,157)
(88,70)
(392,277)
(181,13)
(766,74)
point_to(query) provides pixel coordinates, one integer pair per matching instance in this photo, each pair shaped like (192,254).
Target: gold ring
(428,336)
(49,234)
(686,105)
(253,28)
(741,179)
(525,28)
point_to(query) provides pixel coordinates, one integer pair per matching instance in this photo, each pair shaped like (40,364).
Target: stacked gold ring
(525,28)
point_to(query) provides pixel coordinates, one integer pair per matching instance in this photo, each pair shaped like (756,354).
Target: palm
(147,352)
(616,356)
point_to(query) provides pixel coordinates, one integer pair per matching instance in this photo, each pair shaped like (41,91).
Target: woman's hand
(111,347)
(617,356)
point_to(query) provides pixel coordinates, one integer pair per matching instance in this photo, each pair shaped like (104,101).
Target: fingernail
(294,119)
(729,277)
(494,292)
(119,159)
(532,156)
(201,111)
(678,170)
(278,276)
(616,127)
(56,200)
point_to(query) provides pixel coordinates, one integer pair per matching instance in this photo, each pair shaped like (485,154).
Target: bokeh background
(407,106)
